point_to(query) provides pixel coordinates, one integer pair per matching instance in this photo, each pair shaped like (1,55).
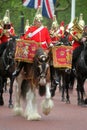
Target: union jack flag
(47,6)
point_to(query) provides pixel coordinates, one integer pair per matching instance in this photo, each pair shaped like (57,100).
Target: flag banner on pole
(47,6)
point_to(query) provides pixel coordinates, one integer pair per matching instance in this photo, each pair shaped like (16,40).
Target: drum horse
(35,75)
(7,67)
(81,75)
(64,72)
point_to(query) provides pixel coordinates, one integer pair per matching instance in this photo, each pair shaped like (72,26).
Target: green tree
(62,11)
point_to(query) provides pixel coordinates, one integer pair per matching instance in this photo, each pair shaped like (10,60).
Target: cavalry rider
(57,31)
(78,36)
(53,31)
(7,30)
(38,33)
(61,29)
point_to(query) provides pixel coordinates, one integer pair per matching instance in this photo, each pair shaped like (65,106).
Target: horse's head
(41,67)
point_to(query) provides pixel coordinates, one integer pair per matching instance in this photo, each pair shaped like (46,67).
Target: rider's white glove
(83,39)
(51,45)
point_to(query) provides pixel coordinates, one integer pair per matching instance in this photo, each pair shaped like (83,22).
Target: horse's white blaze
(47,65)
(42,81)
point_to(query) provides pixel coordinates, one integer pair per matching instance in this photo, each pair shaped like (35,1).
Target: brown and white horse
(34,76)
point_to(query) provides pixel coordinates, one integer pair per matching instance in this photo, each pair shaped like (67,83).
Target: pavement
(62,117)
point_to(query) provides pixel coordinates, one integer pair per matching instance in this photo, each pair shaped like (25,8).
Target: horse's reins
(3,57)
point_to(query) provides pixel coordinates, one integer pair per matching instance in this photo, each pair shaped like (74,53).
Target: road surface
(62,117)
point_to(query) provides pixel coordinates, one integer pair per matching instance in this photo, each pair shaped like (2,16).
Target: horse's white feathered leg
(31,107)
(17,106)
(47,104)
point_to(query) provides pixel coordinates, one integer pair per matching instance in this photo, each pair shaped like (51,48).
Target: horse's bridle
(43,63)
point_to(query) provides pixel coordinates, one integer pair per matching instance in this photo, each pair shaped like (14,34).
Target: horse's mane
(39,52)
(7,57)
(82,59)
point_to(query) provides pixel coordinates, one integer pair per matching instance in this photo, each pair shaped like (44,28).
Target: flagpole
(73,10)
(22,23)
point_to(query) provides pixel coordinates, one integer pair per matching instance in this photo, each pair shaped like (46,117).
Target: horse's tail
(24,88)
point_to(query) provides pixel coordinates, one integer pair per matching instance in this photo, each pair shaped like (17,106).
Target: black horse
(66,81)
(7,67)
(81,75)
(65,74)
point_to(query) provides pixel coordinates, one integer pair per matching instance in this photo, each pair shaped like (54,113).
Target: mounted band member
(53,31)
(38,33)
(77,34)
(7,30)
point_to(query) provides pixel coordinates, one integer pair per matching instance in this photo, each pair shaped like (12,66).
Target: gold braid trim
(29,41)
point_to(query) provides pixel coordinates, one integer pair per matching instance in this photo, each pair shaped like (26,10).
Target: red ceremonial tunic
(4,38)
(1,31)
(41,36)
(75,45)
(54,39)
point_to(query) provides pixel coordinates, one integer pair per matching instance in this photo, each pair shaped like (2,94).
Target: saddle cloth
(25,51)
(62,56)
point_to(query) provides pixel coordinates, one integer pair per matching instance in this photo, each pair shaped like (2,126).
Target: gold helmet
(6,18)
(81,21)
(38,15)
(26,25)
(76,30)
(55,23)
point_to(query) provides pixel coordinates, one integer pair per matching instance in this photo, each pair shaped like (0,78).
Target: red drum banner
(25,51)
(62,56)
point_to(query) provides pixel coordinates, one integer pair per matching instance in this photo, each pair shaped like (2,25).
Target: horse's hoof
(85,101)
(68,101)
(10,105)
(34,117)
(1,103)
(52,94)
(63,99)
(81,103)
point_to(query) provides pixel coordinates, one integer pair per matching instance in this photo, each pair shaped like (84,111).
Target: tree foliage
(62,11)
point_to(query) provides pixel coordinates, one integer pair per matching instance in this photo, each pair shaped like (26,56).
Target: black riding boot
(17,71)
